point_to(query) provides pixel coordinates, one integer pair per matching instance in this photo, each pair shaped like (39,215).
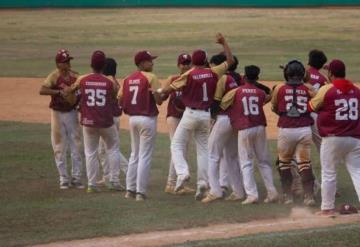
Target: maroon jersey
(247,108)
(58,82)
(97,99)
(137,99)
(285,100)
(339,111)
(198,93)
(175,109)
(230,84)
(317,79)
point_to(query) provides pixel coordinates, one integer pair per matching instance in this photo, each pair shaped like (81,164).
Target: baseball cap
(184,59)
(199,57)
(142,56)
(98,59)
(63,56)
(336,67)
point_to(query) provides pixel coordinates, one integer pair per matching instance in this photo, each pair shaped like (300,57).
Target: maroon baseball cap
(199,57)
(336,67)
(184,59)
(63,56)
(142,56)
(98,59)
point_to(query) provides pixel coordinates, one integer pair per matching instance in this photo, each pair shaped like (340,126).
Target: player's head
(98,59)
(336,69)
(317,59)
(252,73)
(184,62)
(199,58)
(144,61)
(110,67)
(217,59)
(234,66)
(62,60)
(294,72)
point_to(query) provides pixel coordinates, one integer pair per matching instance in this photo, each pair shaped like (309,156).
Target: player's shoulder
(54,74)
(149,75)
(84,76)
(279,85)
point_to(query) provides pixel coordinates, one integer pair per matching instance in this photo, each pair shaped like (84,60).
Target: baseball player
(338,107)
(248,118)
(65,128)
(175,111)
(96,105)
(290,101)
(222,144)
(198,88)
(138,101)
(110,71)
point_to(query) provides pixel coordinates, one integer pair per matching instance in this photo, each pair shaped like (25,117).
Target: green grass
(266,37)
(342,235)
(34,210)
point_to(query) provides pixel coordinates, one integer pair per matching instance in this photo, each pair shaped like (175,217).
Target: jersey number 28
(347,109)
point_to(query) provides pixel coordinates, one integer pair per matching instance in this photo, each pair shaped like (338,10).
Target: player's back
(175,102)
(291,97)
(339,115)
(229,83)
(247,109)
(97,94)
(200,88)
(316,78)
(137,97)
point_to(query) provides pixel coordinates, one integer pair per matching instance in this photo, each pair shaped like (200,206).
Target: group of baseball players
(222,111)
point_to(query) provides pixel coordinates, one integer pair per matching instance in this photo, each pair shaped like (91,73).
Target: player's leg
(303,160)
(91,144)
(124,163)
(286,146)
(147,143)
(352,162)
(264,164)
(104,162)
(59,144)
(134,157)
(315,132)
(246,152)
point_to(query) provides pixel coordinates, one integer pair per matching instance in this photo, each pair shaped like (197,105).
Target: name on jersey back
(95,83)
(202,76)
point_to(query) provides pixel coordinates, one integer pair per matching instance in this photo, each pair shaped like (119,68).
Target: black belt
(193,108)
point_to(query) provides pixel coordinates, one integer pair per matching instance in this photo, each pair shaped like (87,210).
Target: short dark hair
(317,59)
(252,72)
(110,67)
(218,59)
(233,67)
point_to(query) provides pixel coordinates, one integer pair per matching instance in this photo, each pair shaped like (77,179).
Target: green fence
(170,3)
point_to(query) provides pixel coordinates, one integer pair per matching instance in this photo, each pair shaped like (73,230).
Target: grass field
(267,37)
(34,210)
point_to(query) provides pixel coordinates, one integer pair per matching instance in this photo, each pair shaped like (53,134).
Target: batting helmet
(294,71)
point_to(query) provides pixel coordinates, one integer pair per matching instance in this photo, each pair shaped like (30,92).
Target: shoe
(271,198)
(181,180)
(327,213)
(64,186)
(288,199)
(201,192)
(234,197)
(130,194)
(116,187)
(92,189)
(309,200)
(170,189)
(77,184)
(185,190)
(226,191)
(210,198)
(102,182)
(250,200)
(140,197)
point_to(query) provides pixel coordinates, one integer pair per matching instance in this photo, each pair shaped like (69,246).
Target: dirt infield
(300,218)
(20,101)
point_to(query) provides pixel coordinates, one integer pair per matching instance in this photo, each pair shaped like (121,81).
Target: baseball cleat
(271,198)
(309,200)
(130,194)
(77,184)
(92,189)
(185,190)
(327,213)
(116,187)
(234,197)
(140,197)
(64,186)
(200,193)
(226,191)
(287,199)
(180,182)
(210,198)
(102,182)
(250,200)
(170,189)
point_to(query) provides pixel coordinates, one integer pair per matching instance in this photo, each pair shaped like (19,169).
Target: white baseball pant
(143,133)
(91,143)
(223,143)
(65,133)
(104,161)
(334,151)
(197,122)
(315,132)
(224,176)
(252,144)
